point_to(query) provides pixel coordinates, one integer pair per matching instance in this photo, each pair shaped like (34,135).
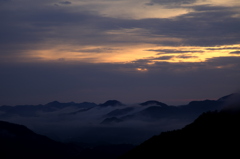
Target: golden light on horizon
(195,54)
(142,69)
(126,54)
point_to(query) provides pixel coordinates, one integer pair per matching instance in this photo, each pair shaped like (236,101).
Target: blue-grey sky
(173,51)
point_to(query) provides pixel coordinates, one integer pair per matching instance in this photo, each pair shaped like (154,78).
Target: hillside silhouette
(213,134)
(17,141)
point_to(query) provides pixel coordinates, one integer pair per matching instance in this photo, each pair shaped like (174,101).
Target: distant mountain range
(214,133)
(152,109)
(111,122)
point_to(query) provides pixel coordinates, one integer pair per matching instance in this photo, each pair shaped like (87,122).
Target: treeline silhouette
(213,134)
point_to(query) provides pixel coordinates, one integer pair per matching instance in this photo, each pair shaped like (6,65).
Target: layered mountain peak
(153,103)
(111,103)
(231,98)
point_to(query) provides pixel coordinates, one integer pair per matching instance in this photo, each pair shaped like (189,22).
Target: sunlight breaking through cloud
(64,49)
(124,54)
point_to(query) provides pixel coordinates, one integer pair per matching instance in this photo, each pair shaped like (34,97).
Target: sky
(173,51)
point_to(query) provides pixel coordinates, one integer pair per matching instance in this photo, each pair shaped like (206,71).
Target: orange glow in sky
(128,54)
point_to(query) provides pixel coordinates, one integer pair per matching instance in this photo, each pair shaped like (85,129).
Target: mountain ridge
(212,134)
(204,124)
(113,123)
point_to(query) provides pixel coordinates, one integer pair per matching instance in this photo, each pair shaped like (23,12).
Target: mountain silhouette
(111,122)
(213,134)
(32,110)
(153,103)
(108,125)
(111,103)
(156,111)
(17,141)
(119,112)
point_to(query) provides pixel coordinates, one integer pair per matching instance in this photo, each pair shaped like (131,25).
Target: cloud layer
(94,50)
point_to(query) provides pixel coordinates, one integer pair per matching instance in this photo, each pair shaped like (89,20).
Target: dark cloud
(164,58)
(97,50)
(3,1)
(27,28)
(39,25)
(214,26)
(34,30)
(186,56)
(171,51)
(65,2)
(228,48)
(225,61)
(169,2)
(235,52)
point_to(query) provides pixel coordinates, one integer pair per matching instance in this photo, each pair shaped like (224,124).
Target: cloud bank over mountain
(111,122)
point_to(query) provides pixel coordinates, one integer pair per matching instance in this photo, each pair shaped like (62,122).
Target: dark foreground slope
(212,134)
(17,141)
